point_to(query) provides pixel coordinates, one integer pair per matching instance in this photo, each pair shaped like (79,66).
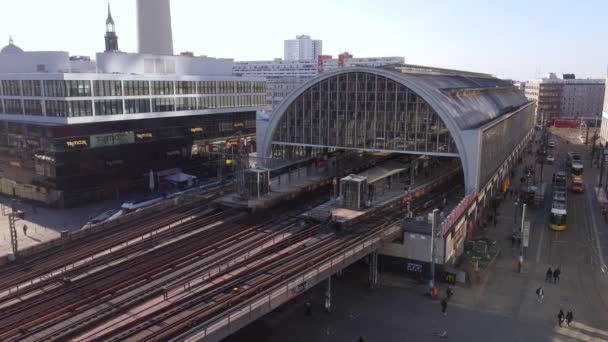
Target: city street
(503,308)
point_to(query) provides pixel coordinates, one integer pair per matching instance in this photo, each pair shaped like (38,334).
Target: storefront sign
(143,136)
(174,153)
(412,267)
(15,163)
(77,143)
(101,140)
(449,277)
(195,130)
(457,212)
(238,125)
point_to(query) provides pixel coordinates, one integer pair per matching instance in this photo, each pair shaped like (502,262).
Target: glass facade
(108,107)
(11,88)
(68,108)
(501,139)
(185,87)
(107,88)
(162,88)
(32,107)
(13,106)
(67,88)
(166,104)
(32,88)
(180,96)
(137,88)
(137,106)
(362,110)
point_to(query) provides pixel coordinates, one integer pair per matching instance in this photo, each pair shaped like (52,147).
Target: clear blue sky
(519,39)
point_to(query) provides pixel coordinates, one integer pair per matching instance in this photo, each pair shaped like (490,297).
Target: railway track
(123,285)
(12,275)
(159,279)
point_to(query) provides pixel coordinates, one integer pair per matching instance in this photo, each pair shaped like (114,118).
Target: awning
(180,177)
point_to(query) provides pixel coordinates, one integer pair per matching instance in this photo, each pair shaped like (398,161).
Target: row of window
(68,108)
(61,108)
(59,88)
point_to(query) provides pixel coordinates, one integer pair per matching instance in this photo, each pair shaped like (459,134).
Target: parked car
(552,144)
(550,159)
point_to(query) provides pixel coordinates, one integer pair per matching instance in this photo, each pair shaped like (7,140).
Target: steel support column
(328,295)
(373,269)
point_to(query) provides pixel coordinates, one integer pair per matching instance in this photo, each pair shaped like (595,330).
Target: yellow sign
(196,130)
(143,136)
(76,143)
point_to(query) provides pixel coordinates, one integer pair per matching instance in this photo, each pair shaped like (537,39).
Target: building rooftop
(471,99)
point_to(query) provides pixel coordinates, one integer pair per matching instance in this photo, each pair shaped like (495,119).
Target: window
(136,88)
(54,88)
(108,107)
(78,88)
(79,108)
(163,105)
(137,106)
(206,87)
(11,88)
(185,87)
(32,107)
(31,88)
(107,88)
(185,103)
(162,88)
(13,106)
(68,108)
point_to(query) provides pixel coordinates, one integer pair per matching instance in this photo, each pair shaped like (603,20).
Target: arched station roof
(464,101)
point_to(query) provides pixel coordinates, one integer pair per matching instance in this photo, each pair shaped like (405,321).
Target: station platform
(396,195)
(302,180)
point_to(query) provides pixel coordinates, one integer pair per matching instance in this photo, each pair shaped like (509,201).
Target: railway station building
(478,119)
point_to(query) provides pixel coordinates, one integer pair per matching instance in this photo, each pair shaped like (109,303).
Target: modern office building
(346,60)
(303,48)
(73,130)
(566,98)
(281,76)
(154,32)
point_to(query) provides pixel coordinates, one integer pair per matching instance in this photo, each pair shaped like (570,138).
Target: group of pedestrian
(552,276)
(561,318)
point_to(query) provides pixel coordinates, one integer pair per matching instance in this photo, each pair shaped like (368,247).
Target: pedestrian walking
(556,274)
(308,308)
(560,317)
(569,318)
(549,275)
(444,307)
(25,229)
(449,292)
(540,293)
